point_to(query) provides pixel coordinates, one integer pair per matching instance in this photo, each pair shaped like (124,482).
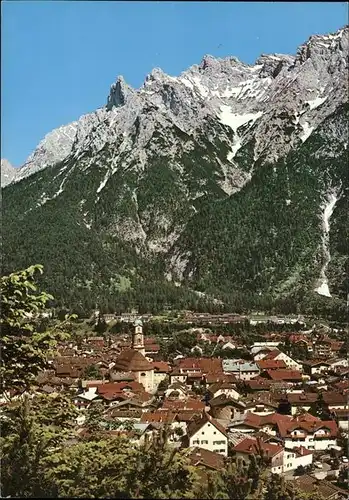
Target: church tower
(138,337)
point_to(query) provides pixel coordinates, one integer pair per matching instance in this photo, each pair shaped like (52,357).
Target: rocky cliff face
(8,173)
(159,169)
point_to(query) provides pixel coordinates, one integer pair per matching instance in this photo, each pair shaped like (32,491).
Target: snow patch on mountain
(313,104)
(307,130)
(332,198)
(234,120)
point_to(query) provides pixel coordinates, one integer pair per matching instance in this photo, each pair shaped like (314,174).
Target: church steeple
(138,337)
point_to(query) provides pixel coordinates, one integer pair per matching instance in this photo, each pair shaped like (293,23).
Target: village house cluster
(295,413)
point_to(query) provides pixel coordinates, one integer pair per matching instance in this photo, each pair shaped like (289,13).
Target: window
(222,451)
(142,374)
(203,432)
(214,432)
(197,441)
(203,441)
(218,442)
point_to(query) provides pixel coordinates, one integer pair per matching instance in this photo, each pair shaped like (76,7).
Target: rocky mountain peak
(225,88)
(119,93)
(320,46)
(208,61)
(273,64)
(8,172)
(157,74)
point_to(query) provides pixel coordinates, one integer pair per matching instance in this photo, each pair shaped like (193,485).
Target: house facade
(308,432)
(207,433)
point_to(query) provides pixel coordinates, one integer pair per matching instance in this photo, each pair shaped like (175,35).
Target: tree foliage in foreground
(24,346)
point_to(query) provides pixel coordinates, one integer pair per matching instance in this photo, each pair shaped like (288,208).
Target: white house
(309,432)
(281,356)
(342,417)
(297,457)
(316,367)
(335,400)
(207,433)
(224,388)
(178,390)
(251,446)
(280,460)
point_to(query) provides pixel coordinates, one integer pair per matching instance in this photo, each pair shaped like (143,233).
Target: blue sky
(60,58)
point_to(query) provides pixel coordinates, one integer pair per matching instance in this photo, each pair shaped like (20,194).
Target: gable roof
(205,458)
(335,397)
(206,365)
(309,484)
(197,424)
(119,387)
(224,400)
(293,375)
(212,378)
(252,446)
(158,416)
(255,421)
(270,364)
(302,398)
(307,423)
(272,354)
(161,367)
(178,404)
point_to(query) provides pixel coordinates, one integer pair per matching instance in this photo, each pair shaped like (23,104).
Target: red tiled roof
(117,387)
(152,347)
(206,458)
(161,367)
(272,354)
(252,446)
(187,415)
(307,484)
(301,451)
(302,398)
(294,375)
(258,384)
(270,364)
(315,362)
(207,365)
(212,378)
(157,416)
(342,385)
(177,404)
(335,397)
(261,420)
(308,423)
